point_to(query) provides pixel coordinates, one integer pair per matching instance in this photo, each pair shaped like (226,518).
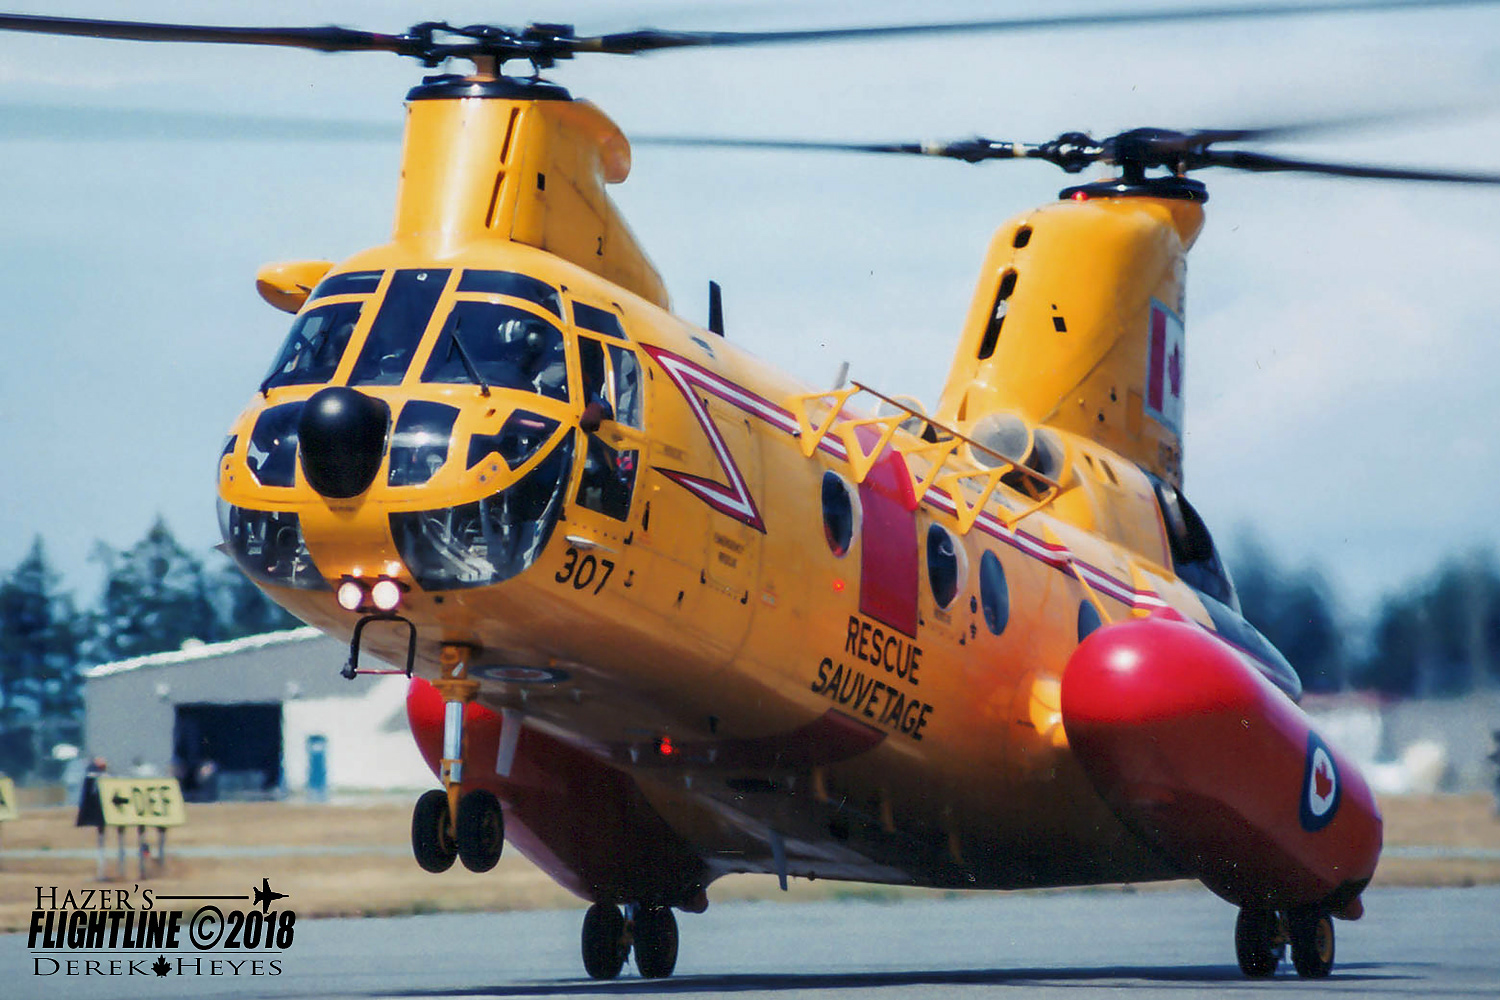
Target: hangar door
(229,751)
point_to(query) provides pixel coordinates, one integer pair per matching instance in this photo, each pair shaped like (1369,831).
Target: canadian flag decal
(1320,786)
(1165,360)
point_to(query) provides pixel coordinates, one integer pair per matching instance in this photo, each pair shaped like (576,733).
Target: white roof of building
(191,653)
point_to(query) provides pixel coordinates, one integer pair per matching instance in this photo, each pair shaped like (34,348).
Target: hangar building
(255,717)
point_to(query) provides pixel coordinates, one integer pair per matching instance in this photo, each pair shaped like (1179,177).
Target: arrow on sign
(120,801)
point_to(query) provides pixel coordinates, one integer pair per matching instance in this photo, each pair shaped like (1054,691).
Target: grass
(378,877)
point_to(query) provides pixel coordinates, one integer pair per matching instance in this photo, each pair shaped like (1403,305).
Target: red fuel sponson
(1197,751)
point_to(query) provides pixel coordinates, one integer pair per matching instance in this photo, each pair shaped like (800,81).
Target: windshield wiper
(468,362)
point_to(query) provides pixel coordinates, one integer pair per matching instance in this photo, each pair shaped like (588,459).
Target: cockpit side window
(398,327)
(312,349)
(1193,553)
(507,347)
(611,376)
(587,317)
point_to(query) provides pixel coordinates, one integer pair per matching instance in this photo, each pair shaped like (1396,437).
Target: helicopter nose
(342,438)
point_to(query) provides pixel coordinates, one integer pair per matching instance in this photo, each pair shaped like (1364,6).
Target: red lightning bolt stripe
(733,498)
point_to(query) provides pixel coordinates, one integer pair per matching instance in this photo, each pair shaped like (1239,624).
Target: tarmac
(1179,943)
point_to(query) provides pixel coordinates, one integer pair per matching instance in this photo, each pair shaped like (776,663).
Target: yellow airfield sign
(141,802)
(8,808)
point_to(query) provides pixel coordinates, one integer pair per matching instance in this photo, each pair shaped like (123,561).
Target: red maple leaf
(1322,780)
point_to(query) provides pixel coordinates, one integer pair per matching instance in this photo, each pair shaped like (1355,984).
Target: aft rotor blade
(325,39)
(1262,163)
(969,150)
(649,40)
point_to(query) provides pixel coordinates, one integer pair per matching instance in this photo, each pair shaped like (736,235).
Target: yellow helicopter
(670,614)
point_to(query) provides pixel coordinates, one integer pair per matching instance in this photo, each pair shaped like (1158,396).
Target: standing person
(90,811)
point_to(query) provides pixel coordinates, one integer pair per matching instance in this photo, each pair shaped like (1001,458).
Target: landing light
(351,594)
(386,594)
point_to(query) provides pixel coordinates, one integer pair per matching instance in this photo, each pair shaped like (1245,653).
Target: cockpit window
(506,347)
(398,327)
(419,445)
(587,317)
(1193,553)
(520,286)
(314,346)
(349,283)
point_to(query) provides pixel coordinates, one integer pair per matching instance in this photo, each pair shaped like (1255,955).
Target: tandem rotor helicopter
(670,614)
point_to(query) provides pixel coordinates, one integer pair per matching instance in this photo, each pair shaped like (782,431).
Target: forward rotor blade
(649,40)
(1262,163)
(325,39)
(52,123)
(969,150)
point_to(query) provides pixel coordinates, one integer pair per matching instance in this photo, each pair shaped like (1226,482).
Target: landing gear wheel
(479,830)
(1257,942)
(1312,942)
(655,941)
(604,943)
(430,840)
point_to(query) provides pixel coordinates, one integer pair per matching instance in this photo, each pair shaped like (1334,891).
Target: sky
(1342,359)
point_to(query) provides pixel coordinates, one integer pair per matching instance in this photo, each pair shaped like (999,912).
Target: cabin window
(838,514)
(501,345)
(311,352)
(994,594)
(419,445)
(944,565)
(393,338)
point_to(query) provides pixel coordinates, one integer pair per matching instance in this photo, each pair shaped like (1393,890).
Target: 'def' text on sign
(141,802)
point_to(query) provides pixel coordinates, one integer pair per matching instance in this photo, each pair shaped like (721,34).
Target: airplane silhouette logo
(264,897)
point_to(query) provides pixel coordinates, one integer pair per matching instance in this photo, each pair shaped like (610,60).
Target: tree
(1442,637)
(1296,612)
(38,643)
(243,608)
(155,598)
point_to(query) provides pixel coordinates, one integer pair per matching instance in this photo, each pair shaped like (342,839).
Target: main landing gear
(1261,936)
(450,822)
(609,936)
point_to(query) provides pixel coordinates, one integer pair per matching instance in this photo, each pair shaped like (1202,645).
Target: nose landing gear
(451,823)
(609,936)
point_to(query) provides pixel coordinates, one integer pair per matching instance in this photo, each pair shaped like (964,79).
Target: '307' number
(581,570)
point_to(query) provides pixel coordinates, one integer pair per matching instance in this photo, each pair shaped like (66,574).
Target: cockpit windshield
(503,346)
(313,347)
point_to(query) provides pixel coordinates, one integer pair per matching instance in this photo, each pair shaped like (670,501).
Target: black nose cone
(342,438)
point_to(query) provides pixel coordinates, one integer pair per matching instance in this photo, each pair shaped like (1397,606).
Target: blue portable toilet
(317,767)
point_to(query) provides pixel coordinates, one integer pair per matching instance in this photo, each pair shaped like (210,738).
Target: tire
(430,843)
(479,830)
(604,947)
(1257,942)
(655,942)
(1312,942)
